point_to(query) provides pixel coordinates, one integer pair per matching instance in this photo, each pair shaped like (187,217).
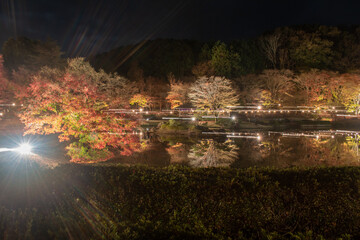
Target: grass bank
(115,202)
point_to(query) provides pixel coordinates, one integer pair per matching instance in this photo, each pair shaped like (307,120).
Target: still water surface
(238,150)
(242,150)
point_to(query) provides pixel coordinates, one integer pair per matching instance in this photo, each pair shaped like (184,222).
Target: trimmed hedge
(117,202)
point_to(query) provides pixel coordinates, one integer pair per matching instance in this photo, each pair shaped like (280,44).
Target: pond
(233,149)
(250,149)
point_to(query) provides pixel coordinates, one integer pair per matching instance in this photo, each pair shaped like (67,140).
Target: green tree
(250,58)
(311,50)
(348,49)
(225,61)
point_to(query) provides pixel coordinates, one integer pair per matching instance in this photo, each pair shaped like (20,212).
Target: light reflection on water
(268,150)
(271,150)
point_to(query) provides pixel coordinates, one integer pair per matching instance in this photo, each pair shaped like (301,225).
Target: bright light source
(24,149)
(1,114)
(13,104)
(259,107)
(258,138)
(193,119)
(140,109)
(233,117)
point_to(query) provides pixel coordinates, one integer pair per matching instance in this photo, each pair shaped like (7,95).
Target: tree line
(303,65)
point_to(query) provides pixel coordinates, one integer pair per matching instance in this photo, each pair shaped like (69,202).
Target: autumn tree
(315,86)
(212,93)
(178,94)
(250,88)
(350,91)
(139,100)
(70,102)
(276,85)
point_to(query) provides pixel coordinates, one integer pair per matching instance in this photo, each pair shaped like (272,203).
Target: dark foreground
(115,202)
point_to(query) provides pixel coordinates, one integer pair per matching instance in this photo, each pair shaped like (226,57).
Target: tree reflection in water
(210,153)
(277,151)
(271,151)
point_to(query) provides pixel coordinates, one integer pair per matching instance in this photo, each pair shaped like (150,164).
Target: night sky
(88,27)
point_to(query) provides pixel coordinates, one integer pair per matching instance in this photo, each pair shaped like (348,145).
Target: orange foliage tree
(317,86)
(139,100)
(177,95)
(70,103)
(348,86)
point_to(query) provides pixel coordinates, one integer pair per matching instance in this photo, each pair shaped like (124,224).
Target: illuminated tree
(139,100)
(156,91)
(315,85)
(276,85)
(212,93)
(69,102)
(178,93)
(250,88)
(350,92)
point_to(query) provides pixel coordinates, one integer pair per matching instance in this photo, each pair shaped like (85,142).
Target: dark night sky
(92,26)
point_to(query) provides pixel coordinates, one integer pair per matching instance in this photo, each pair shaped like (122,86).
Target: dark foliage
(113,202)
(301,47)
(32,54)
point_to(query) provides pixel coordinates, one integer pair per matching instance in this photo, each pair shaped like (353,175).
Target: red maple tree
(71,104)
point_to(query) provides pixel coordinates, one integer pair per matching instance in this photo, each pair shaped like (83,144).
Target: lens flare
(24,149)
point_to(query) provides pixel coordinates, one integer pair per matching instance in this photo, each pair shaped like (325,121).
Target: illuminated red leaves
(72,105)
